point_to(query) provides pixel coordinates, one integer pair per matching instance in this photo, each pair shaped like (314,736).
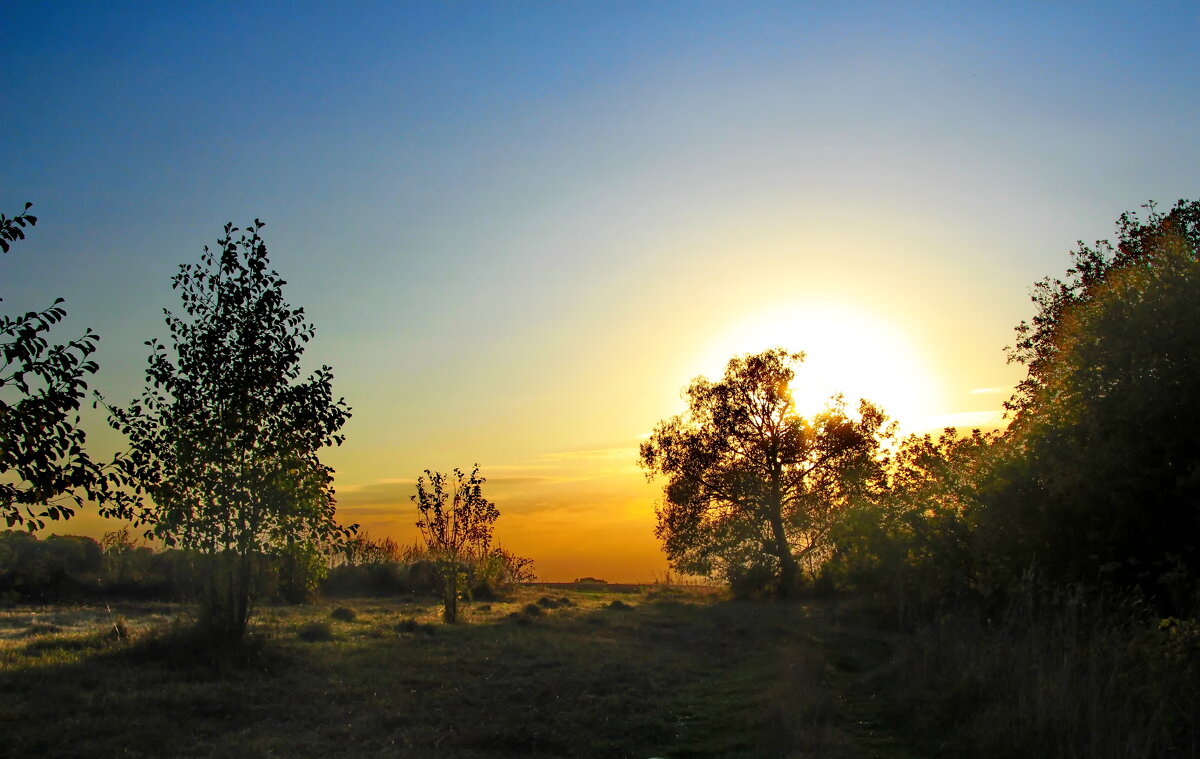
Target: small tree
(43,466)
(456,523)
(225,438)
(752,487)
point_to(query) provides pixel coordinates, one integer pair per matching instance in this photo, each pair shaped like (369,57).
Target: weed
(119,629)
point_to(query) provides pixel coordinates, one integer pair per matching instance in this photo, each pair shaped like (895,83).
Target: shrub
(344,614)
(315,631)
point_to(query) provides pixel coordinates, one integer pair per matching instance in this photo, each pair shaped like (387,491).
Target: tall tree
(752,487)
(44,470)
(1101,468)
(225,437)
(456,524)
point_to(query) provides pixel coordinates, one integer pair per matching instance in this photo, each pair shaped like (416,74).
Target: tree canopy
(1101,471)
(752,488)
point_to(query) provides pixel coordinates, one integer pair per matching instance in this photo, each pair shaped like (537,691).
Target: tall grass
(1061,675)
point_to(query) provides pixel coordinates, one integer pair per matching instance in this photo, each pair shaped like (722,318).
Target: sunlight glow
(847,350)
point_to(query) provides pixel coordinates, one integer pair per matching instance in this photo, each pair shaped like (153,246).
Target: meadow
(637,671)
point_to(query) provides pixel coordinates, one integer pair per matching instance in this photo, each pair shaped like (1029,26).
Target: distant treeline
(76,568)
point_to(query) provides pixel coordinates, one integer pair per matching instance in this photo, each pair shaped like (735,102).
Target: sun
(847,350)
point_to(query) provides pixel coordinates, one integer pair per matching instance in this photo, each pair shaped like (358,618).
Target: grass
(544,672)
(1067,676)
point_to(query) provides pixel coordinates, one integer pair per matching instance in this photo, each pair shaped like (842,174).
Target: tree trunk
(788,570)
(450,597)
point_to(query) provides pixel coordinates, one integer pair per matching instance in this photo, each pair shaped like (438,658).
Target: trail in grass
(803,684)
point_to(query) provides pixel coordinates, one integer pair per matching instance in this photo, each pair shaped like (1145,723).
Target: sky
(521,229)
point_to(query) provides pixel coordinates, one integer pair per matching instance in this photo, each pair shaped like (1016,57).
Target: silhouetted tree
(1101,470)
(456,523)
(911,542)
(225,438)
(752,487)
(41,386)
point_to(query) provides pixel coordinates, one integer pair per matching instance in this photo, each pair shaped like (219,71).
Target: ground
(548,671)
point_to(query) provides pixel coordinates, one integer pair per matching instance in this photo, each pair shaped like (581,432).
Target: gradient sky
(521,228)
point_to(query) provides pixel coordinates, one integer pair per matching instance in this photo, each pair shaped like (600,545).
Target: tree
(225,438)
(1101,464)
(456,524)
(43,465)
(752,487)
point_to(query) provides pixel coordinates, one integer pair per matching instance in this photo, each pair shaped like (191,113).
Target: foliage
(1100,474)
(911,543)
(48,569)
(456,522)
(45,473)
(498,568)
(362,549)
(225,437)
(299,568)
(753,488)
(374,567)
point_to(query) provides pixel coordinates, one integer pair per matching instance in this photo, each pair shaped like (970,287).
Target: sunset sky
(521,228)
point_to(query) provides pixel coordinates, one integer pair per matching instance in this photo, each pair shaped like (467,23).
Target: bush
(315,631)
(344,614)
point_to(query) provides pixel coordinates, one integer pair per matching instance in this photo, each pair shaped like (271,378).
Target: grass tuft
(316,631)
(413,626)
(344,614)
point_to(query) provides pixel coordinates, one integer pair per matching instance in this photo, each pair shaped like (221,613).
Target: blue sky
(521,228)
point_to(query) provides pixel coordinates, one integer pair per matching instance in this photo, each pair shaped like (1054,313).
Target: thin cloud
(592,453)
(993,419)
(998,390)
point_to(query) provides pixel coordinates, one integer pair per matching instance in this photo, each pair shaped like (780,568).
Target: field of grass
(549,671)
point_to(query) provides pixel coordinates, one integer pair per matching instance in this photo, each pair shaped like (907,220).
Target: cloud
(376,493)
(992,419)
(592,453)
